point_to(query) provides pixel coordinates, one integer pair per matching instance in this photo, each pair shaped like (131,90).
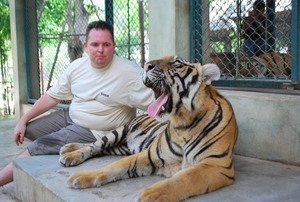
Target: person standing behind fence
(253,30)
(105,90)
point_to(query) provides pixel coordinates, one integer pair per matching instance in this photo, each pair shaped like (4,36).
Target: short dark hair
(259,5)
(99,25)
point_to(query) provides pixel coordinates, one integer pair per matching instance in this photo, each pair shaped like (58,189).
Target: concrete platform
(43,178)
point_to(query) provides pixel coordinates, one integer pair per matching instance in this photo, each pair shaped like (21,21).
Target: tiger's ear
(210,73)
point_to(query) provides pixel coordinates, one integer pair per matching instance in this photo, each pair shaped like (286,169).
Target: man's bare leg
(6,174)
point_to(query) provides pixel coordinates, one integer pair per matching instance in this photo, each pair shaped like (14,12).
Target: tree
(6,75)
(4,37)
(77,25)
(53,17)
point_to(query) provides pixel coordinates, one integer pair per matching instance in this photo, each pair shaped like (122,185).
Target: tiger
(188,136)
(227,64)
(225,61)
(251,66)
(271,64)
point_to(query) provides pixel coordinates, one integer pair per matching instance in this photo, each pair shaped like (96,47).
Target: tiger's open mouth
(161,97)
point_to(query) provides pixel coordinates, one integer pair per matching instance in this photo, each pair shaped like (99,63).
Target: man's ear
(210,73)
(85,45)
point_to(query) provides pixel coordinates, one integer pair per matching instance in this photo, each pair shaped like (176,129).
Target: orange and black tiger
(190,140)
(271,64)
(278,64)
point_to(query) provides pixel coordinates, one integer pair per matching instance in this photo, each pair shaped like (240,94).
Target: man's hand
(42,105)
(20,132)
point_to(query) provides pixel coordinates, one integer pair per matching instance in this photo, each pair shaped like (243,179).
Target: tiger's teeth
(163,108)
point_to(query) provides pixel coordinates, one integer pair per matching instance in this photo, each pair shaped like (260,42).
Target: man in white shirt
(105,91)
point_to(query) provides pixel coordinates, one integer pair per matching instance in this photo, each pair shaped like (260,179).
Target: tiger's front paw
(155,194)
(71,158)
(71,147)
(72,154)
(86,179)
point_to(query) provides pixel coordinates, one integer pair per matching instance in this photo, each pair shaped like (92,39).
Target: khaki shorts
(49,133)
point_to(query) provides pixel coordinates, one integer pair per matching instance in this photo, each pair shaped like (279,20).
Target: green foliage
(5,50)
(4,38)
(4,21)
(51,20)
(234,41)
(218,47)
(52,16)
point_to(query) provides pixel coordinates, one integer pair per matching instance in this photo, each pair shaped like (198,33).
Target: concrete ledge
(268,125)
(43,178)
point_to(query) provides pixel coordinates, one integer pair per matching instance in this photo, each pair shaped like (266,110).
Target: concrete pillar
(18,53)
(169,28)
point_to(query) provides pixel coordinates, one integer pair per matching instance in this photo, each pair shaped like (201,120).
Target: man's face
(259,13)
(100,47)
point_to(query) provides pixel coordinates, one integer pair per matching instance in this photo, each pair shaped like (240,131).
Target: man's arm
(42,105)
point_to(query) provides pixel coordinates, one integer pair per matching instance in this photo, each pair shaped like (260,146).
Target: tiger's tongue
(155,107)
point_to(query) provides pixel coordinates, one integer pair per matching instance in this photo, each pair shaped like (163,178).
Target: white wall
(269,125)
(168,28)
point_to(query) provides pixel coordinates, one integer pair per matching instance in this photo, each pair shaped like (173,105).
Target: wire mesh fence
(61,26)
(248,40)
(221,29)
(55,34)
(219,36)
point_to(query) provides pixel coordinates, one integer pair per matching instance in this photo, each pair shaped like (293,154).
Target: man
(105,91)
(253,30)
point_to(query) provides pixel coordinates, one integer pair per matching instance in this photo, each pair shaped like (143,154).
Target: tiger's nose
(148,66)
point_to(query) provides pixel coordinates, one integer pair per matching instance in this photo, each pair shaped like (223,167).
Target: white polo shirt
(102,99)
